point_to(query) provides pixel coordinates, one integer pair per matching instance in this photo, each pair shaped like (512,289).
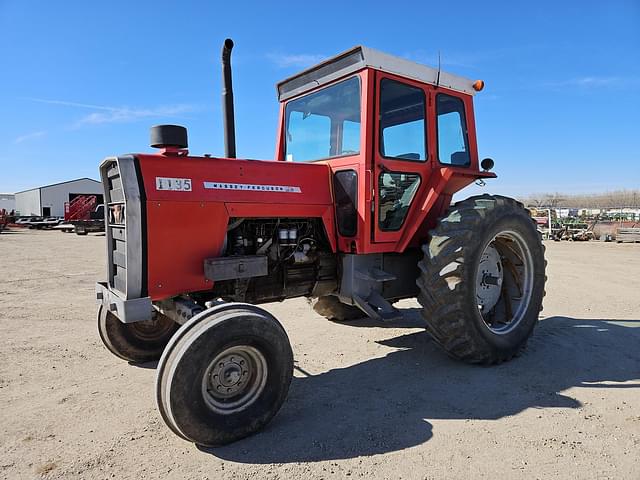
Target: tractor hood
(204,179)
(169,212)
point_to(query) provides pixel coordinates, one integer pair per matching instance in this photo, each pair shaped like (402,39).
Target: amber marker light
(478,85)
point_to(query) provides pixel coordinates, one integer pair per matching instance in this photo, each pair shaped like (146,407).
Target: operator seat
(460,159)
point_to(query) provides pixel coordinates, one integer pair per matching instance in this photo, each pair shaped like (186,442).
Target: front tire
(224,375)
(482,279)
(137,342)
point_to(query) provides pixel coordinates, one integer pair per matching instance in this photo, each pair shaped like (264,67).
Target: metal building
(49,200)
(7,201)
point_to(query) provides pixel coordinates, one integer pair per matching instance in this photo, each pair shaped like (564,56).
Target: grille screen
(116,230)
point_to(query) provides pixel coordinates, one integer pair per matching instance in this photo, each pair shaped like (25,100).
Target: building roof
(59,183)
(361,57)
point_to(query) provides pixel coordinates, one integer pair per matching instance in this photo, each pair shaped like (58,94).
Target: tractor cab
(386,127)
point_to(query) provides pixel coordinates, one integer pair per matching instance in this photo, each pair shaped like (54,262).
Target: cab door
(401,157)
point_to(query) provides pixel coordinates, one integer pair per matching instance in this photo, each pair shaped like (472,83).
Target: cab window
(325,123)
(396,192)
(402,113)
(453,143)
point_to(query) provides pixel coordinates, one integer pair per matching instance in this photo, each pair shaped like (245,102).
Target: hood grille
(124,226)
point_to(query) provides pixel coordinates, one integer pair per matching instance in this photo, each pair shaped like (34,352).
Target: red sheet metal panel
(180,235)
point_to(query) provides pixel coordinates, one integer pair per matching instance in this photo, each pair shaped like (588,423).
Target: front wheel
(137,342)
(224,375)
(482,279)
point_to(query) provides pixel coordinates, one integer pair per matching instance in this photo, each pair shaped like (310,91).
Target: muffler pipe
(227,101)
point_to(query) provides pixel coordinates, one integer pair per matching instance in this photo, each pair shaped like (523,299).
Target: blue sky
(83,80)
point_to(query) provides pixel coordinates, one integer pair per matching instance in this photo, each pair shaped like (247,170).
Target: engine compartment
(299,257)
(281,239)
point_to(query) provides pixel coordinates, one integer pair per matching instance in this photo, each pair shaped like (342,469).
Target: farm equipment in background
(94,222)
(79,208)
(354,213)
(576,231)
(545,219)
(4,219)
(44,223)
(82,216)
(630,235)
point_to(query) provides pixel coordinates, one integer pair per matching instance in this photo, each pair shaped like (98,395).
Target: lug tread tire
(448,299)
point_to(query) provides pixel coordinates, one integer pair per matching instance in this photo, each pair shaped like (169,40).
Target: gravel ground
(367,400)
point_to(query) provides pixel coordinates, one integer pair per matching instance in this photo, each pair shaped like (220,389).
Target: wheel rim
(504,282)
(234,379)
(153,329)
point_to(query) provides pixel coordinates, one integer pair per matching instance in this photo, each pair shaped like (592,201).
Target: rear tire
(482,279)
(331,308)
(224,375)
(137,342)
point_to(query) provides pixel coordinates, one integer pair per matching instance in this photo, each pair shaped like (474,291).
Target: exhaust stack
(227,101)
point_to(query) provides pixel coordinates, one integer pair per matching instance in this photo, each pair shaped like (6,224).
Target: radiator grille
(116,229)
(124,226)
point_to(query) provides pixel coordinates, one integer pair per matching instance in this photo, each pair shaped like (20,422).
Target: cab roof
(361,57)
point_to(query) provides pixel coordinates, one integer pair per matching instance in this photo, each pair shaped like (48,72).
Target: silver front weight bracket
(179,309)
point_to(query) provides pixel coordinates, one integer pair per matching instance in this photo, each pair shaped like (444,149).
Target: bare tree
(612,199)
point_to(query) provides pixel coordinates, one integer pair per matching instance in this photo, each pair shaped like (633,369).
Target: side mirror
(486,164)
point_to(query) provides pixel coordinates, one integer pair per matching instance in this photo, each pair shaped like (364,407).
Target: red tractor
(354,213)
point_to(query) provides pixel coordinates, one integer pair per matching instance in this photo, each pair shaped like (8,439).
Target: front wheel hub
(234,379)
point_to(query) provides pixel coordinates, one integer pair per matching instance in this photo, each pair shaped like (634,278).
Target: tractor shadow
(153,365)
(411,318)
(385,404)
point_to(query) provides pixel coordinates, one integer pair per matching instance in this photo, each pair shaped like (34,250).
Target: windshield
(324,124)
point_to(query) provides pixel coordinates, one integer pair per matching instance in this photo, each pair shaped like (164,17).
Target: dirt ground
(367,400)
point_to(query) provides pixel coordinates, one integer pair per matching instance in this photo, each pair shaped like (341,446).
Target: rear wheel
(224,375)
(330,307)
(135,342)
(482,279)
